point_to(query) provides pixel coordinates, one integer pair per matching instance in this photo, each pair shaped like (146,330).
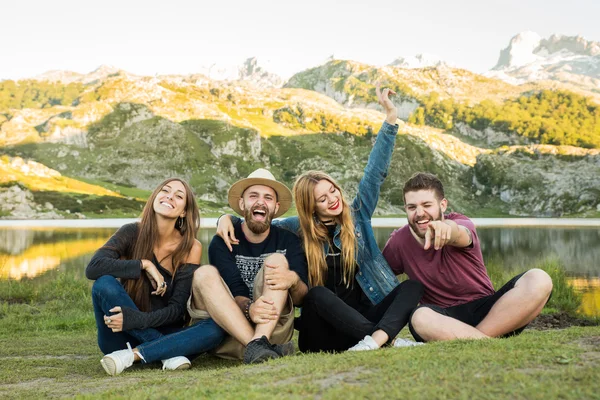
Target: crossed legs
(514,309)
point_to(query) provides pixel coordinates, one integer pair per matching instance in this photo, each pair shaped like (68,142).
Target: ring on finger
(108,320)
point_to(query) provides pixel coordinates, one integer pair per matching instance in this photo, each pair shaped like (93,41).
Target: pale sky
(179,36)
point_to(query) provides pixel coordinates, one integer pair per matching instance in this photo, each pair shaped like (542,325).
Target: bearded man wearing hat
(251,288)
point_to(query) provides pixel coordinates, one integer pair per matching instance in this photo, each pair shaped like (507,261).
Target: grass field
(48,349)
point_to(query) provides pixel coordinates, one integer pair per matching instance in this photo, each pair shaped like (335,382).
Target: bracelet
(247,311)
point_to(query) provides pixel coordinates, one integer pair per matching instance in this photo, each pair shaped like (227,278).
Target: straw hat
(260,177)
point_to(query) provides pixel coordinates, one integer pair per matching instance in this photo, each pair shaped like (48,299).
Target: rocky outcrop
(569,61)
(541,180)
(489,137)
(418,61)
(18,203)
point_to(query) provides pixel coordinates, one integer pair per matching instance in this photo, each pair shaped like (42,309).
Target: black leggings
(328,324)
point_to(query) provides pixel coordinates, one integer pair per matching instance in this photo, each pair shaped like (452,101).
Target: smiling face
(422,207)
(259,204)
(328,200)
(170,201)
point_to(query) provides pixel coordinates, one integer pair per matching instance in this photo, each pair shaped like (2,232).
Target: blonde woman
(355,301)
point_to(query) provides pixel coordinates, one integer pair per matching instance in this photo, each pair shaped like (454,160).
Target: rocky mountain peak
(520,51)
(567,59)
(422,60)
(576,45)
(251,71)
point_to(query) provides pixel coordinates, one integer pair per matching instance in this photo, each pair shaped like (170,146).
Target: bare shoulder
(195,253)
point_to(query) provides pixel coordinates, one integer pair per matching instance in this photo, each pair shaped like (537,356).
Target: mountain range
(95,144)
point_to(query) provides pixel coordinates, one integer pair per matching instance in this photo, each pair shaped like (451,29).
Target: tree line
(547,117)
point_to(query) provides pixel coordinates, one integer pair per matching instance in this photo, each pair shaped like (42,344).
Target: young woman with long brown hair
(143,277)
(355,301)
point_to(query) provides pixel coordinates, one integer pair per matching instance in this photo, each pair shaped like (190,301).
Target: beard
(415,227)
(258,227)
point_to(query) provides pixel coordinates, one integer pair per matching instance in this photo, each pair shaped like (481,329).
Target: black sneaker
(285,349)
(259,350)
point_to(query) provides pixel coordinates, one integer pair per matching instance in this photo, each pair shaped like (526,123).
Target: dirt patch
(352,377)
(52,387)
(65,357)
(590,342)
(559,321)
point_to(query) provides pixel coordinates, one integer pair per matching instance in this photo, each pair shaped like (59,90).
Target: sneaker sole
(182,367)
(109,366)
(263,358)
(288,349)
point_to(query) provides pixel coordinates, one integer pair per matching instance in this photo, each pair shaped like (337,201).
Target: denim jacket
(374,276)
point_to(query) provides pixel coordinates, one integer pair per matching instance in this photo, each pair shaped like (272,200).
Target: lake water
(42,250)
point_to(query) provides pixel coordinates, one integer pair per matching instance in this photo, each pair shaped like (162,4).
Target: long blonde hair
(314,234)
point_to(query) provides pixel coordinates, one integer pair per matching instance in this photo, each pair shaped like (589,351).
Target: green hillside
(126,134)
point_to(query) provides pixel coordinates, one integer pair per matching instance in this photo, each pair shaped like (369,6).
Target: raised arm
(379,159)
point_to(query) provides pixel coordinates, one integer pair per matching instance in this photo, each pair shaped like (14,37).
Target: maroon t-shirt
(451,275)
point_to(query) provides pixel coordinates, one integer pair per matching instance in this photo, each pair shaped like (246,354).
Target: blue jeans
(153,343)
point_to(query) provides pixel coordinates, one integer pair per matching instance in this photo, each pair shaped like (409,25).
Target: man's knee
(538,282)
(277,260)
(422,317)
(206,275)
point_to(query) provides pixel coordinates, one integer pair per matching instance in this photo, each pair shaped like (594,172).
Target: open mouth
(335,206)
(167,205)
(422,223)
(259,215)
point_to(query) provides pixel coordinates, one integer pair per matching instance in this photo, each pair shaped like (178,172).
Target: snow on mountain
(530,57)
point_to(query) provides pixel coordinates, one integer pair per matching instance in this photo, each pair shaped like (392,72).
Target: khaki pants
(232,349)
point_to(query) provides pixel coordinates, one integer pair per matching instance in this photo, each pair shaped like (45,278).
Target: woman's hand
(156,279)
(383,97)
(226,231)
(115,321)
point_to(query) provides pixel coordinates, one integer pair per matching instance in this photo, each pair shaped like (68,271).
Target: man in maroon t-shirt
(444,254)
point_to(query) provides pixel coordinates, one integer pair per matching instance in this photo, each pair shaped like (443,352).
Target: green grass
(127,191)
(48,349)
(556,364)
(564,297)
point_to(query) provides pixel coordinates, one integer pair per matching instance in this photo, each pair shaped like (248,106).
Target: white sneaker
(368,343)
(399,342)
(115,362)
(174,363)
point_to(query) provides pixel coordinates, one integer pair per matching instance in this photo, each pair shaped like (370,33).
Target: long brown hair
(314,234)
(148,235)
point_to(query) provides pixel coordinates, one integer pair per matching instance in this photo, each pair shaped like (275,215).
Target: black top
(168,310)
(239,267)
(352,295)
